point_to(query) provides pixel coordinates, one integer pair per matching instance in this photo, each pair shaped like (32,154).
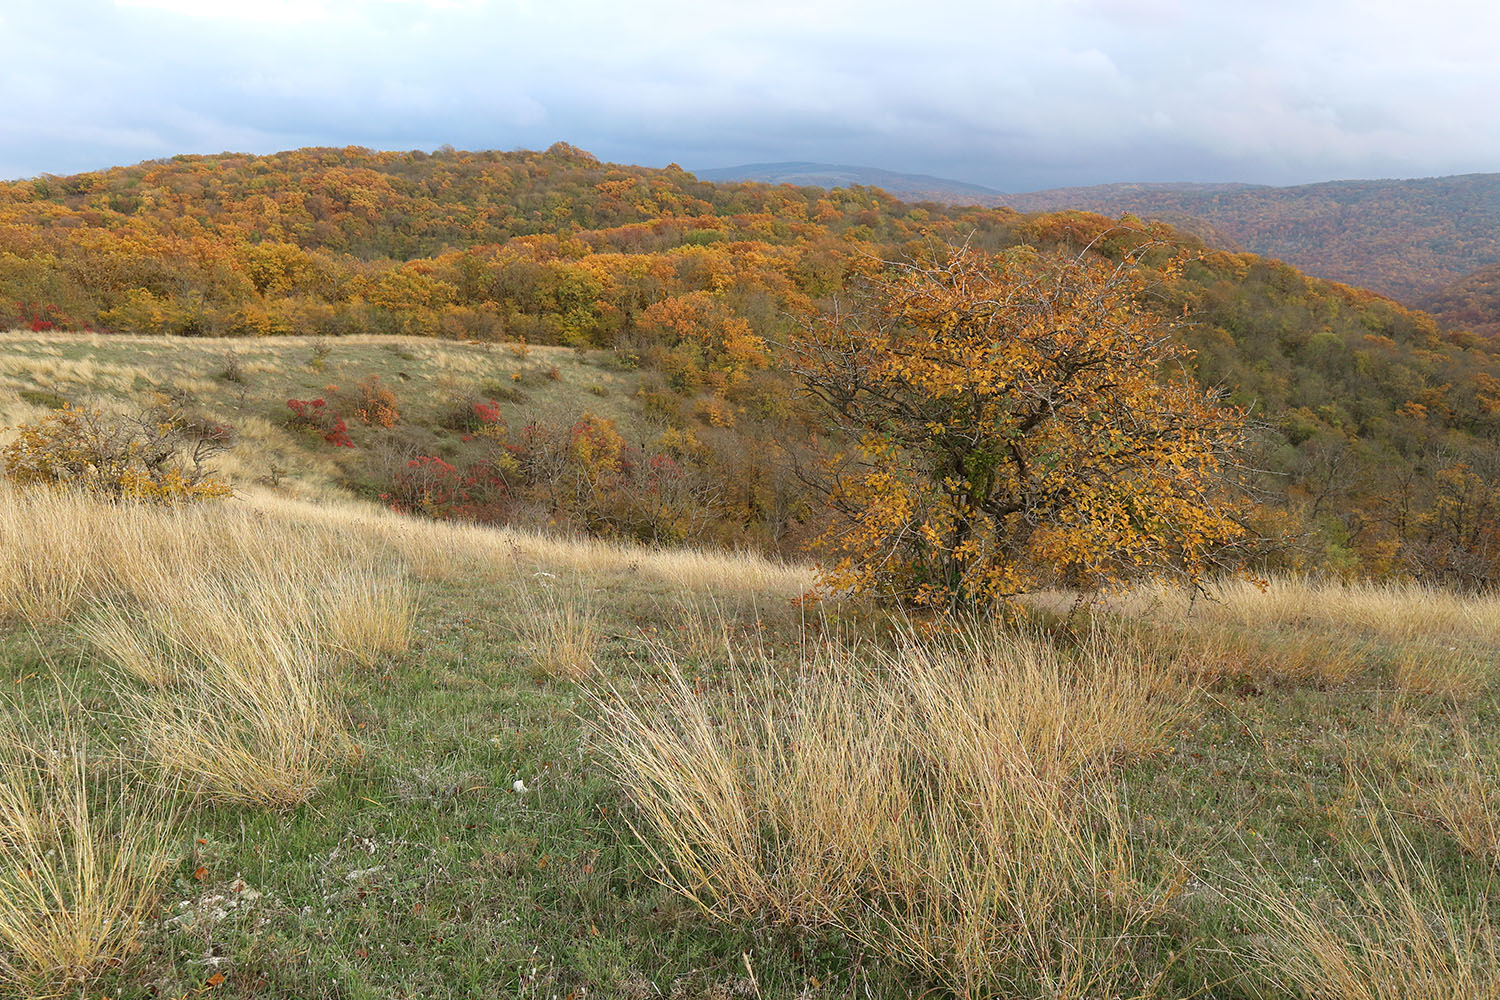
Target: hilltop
(907,187)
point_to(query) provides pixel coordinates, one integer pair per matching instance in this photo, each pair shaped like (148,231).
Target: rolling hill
(1403,238)
(1380,439)
(908,187)
(1410,239)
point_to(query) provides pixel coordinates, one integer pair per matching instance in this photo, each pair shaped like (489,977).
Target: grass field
(247,383)
(294,746)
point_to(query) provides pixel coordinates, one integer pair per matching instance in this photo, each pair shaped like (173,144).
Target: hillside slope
(1404,238)
(1381,441)
(1472,302)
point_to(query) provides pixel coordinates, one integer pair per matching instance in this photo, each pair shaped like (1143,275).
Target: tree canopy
(1019,420)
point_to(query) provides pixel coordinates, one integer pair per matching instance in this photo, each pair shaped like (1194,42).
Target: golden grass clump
(1461,796)
(366,615)
(81,863)
(947,802)
(257,725)
(560,630)
(1390,932)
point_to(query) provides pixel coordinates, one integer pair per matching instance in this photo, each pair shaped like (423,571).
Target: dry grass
(234,621)
(560,629)
(47,559)
(1461,796)
(1210,651)
(366,615)
(447,550)
(947,802)
(700,628)
(1392,933)
(1389,611)
(257,724)
(135,641)
(1422,640)
(80,865)
(1452,674)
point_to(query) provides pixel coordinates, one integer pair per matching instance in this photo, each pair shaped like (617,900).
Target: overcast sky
(1013,94)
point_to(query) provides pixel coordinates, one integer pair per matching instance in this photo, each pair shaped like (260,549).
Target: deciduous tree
(1016,421)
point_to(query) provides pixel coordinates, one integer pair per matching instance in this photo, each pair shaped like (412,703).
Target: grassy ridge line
(40,370)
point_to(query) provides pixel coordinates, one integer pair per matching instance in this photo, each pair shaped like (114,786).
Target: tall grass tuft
(366,615)
(262,731)
(240,703)
(81,863)
(946,802)
(1390,932)
(560,630)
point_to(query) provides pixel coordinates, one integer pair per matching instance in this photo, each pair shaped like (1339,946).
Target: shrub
(373,403)
(234,368)
(314,415)
(1020,421)
(437,488)
(471,416)
(318,358)
(158,455)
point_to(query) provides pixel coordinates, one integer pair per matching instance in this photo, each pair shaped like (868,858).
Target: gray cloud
(1011,94)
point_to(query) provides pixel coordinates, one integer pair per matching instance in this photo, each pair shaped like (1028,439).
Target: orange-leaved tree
(1017,421)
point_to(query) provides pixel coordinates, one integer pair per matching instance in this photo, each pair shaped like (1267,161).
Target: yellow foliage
(1021,422)
(123,458)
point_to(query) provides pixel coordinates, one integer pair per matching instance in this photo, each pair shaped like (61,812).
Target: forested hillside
(1380,447)
(1405,238)
(1471,302)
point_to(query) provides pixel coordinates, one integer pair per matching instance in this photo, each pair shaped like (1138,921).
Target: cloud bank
(1013,95)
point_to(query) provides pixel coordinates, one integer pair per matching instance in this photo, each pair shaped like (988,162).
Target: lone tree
(1018,420)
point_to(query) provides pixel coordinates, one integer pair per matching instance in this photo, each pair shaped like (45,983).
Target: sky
(1012,94)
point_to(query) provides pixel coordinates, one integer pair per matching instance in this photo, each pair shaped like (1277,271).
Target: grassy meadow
(294,745)
(247,383)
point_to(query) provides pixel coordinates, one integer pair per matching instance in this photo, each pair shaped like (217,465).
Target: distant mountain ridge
(1405,238)
(907,187)
(1426,241)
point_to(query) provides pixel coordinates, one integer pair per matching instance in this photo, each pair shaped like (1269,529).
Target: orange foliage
(1019,424)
